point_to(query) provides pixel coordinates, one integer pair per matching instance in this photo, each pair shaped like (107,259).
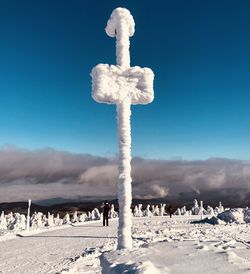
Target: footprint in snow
(203,247)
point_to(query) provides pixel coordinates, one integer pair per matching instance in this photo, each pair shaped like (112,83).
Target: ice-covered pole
(28,216)
(201,209)
(121,25)
(123,85)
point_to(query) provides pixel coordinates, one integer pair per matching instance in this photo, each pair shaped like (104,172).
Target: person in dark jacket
(170,210)
(106,209)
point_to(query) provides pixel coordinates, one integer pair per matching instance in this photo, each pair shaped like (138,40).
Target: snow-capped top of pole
(122,26)
(117,15)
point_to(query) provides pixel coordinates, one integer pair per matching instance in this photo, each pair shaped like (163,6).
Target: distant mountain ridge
(84,204)
(66,205)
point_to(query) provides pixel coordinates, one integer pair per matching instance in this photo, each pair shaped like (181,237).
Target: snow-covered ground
(161,245)
(177,246)
(54,250)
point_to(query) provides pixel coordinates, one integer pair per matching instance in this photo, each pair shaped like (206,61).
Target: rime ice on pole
(28,216)
(123,85)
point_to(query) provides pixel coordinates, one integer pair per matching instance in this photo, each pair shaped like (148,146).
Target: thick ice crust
(112,85)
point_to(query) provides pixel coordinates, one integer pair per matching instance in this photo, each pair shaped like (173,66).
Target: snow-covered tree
(156,211)
(83,217)
(138,211)
(112,213)
(50,220)
(9,219)
(195,208)
(95,214)
(177,212)
(202,211)
(38,220)
(57,220)
(219,209)
(74,218)
(183,210)
(18,222)
(210,211)
(3,221)
(147,212)
(162,209)
(66,219)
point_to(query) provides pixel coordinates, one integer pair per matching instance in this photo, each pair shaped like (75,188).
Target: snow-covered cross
(123,85)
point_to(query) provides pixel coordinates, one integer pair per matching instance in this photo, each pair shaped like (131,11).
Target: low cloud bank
(47,173)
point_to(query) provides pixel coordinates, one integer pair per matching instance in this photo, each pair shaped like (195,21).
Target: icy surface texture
(112,84)
(122,26)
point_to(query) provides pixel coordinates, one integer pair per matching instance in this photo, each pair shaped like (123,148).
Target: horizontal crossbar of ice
(112,85)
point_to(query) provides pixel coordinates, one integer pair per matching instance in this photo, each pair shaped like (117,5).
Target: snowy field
(161,245)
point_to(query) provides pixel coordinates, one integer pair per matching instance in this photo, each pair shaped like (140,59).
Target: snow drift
(235,215)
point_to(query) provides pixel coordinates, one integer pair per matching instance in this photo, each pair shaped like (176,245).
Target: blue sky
(198,50)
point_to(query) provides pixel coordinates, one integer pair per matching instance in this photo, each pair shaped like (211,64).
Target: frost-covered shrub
(177,212)
(83,217)
(162,209)
(155,210)
(57,220)
(18,222)
(3,221)
(147,212)
(10,220)
(136,211)
(50,220)
(38,220)
(183,210)
(195,209)
(219,209)
(95,214)
(2,216)
(112,212)
(66,219)
(202,211)
(74,218)
(210,210)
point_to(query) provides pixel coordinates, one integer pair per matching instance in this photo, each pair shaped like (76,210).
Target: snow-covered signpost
(28,216)
(123,85)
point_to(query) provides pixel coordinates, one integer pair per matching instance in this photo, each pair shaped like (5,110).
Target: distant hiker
(170,210)
(106,209)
